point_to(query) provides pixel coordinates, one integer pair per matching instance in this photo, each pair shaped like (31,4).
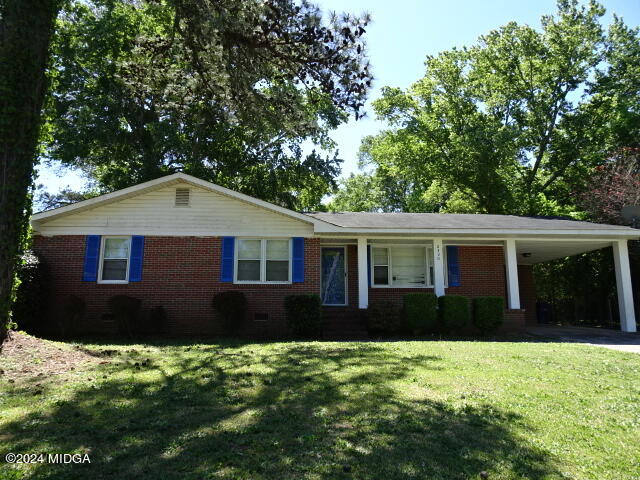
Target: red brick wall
(528,294)
(179,273)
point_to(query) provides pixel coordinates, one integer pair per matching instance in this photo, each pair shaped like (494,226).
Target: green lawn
(380,410)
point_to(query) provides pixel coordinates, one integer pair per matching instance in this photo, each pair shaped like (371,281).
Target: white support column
(511,264)
(438,267)
(363,273)
(623,282)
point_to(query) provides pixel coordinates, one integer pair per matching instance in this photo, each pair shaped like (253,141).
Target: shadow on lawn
(328,412)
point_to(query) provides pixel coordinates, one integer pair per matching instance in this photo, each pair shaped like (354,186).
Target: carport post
(623,282)
(511,264)
(363,270)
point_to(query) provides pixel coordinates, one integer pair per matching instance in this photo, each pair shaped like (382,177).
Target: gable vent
(182,197)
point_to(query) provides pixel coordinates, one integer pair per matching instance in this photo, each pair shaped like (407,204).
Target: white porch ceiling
(545,250)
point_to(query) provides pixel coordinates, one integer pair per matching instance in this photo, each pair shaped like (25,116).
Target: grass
(388,410)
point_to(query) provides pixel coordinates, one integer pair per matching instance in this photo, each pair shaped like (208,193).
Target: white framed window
(115,253)
(380,266)
(402,266)
(263,260)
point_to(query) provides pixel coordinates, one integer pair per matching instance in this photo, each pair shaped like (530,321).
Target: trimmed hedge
(454,312)
(383,317)
(304,315)
(231,307)
(488,313)
(420,312)
(125,310)
(71,313)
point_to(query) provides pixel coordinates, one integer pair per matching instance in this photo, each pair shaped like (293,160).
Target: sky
(401,35)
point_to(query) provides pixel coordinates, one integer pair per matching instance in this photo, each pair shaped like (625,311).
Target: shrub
(454,312)
(304,314)
(157,320)
(231,307)
(152,323)
(420,312)
(29,311)
(125,312)
(488,313)
(383,317)
(71,313)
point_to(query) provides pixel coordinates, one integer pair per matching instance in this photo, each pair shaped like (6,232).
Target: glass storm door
(333,279)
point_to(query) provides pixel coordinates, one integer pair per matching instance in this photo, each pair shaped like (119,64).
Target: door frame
(346,275)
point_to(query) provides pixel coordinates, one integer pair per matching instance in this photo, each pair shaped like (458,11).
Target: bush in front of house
(454,312)
(29,310)
(71,313)
(231,307)
(420,310)
(304,315)
(153,322)
(488,313)
(383,317)
(125,311)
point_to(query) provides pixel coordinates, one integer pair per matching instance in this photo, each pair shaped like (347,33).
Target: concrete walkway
(600,337)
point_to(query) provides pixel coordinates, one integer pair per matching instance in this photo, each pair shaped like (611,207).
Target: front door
(333,279)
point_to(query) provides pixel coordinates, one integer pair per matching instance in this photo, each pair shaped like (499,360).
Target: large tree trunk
(26,27)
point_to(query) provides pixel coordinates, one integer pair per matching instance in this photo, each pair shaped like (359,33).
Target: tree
(500,123)
(227,91)
(26,27)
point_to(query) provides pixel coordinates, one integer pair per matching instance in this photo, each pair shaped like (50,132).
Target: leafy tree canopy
(512,124)
(227,91)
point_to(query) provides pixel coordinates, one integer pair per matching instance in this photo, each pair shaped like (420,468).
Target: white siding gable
(155,213)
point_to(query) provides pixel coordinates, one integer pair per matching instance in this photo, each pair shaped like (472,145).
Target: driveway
(600,337)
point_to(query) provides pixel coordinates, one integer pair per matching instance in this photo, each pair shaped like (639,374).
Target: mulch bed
(24,356)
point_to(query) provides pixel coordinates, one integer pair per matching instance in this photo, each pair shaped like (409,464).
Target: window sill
(113,282)
(239,282)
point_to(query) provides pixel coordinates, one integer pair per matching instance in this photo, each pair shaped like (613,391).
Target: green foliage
(29,309)
(71,314)
(454,312)
(488,313)
(226,91)
(304,315)
(420,310)
(125,311)
(231,308)
(25,31)
(500,127)
(383,317)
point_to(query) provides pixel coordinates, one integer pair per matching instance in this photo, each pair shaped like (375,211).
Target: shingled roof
(459,220)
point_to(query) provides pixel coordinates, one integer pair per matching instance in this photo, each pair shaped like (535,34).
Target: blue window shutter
(297,268)
(369,265)
(91,256)
(135,262)
(226,266)
(452,266)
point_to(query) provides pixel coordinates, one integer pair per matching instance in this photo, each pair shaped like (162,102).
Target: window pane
(114,270)
(249,249)
(277,249)
(116,248)
(381,275)
(380,256)
(249,270)
(409,265)
(277,271)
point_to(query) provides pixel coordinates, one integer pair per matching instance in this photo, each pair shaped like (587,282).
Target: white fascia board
(163,181)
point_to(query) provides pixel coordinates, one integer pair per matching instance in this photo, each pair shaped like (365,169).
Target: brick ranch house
(178,240)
